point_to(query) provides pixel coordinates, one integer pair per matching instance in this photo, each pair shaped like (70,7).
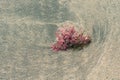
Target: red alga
(68,37)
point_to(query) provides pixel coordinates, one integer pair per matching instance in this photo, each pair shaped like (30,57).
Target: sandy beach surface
(27,29)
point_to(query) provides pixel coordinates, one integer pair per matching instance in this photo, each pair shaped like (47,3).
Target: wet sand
(27,30)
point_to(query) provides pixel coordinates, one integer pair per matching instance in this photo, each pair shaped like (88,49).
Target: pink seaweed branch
(68,37)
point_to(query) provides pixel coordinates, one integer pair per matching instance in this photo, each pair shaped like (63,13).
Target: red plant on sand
(67,37)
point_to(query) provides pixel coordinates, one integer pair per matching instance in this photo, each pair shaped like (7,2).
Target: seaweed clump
(67,37)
